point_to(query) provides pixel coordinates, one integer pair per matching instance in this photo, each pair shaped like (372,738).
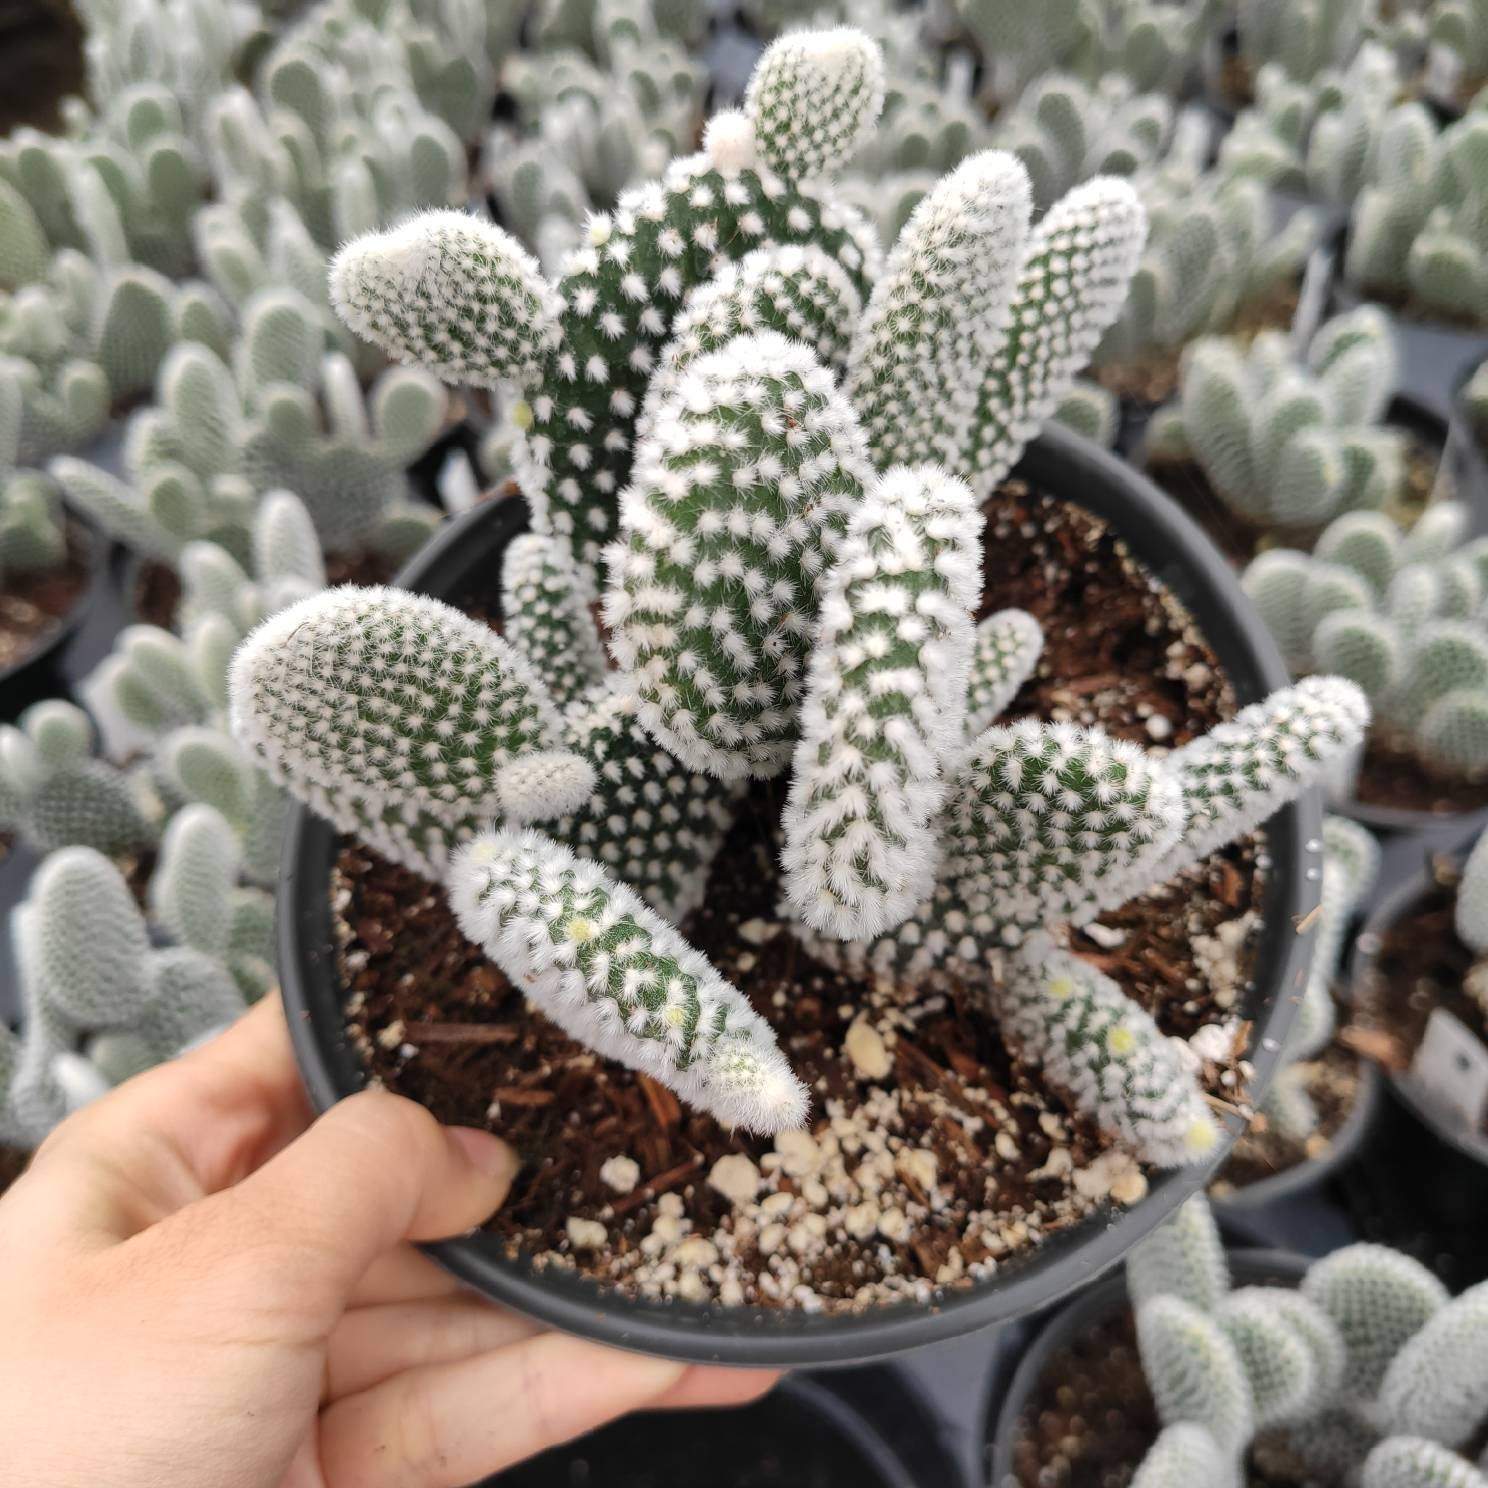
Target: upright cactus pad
(590,955)
(885,703)
(740,497)
(1050,823)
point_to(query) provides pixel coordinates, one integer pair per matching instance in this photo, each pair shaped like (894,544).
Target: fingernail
(490,1154)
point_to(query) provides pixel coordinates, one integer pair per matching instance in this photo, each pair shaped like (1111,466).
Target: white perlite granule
(621,1174)
(586,1234)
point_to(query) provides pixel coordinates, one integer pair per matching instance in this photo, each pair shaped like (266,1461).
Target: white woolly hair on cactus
(1195,1372)
(384,710)
(1417,1462)
(1054,822)
(813,98)
(1238,774)
(939,313)
(1183,1257)
(1106,1053)
(1004,654)
(588,953)
(885,705)
(738,499)
(450,292)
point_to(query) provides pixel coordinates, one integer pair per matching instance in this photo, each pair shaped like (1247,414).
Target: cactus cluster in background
(1214,252)
(1368,1371)
(1287,444)
(1301,36)
(777,508)
(33,533)
(1065,131)
(101,1003)
(1402,615)
(1417,232)
(285,416)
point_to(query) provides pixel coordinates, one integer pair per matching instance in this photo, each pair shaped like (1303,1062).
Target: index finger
(187,1128)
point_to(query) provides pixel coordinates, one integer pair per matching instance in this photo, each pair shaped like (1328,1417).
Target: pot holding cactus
(1203,1366)
(56,564)
(641,895)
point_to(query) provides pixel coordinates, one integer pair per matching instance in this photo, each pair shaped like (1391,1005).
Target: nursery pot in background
(1292,1207)
(462,566)
(1088,1311)
(862,1427)
(47,668)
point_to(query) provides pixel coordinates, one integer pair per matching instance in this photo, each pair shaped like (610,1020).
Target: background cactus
(33,536)
(1416,232)
(88,974)
(1303,38)
(54,794)
(1288,445)
(1400,615)
(1369,1347)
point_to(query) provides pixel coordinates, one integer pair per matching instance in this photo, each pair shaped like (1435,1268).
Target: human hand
(203,1289)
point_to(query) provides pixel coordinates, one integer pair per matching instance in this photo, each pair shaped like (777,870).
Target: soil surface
(931,1157)
(1332,1081)
(41,63)
(33,605)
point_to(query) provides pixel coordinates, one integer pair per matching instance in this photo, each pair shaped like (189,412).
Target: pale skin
(202,1288)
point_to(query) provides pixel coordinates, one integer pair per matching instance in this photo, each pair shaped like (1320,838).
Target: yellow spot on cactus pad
(675,1016)
(580,930)
(521,414)
(1121,1041)
(1201,1137)
(1061,987)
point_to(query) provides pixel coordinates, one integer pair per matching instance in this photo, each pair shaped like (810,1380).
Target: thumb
(373,1171)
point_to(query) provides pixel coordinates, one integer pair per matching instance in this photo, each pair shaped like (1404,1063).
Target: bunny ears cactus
(968,341)
(789,569)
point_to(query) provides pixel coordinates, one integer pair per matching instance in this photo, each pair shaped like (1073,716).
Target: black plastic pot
(1091,1308)
(1423,1189)
(45,671)
(858,1427)
(461,566)
(1292,1208)
(1364,974)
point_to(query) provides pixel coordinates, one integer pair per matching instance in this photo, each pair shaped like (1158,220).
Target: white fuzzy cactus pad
(588,953)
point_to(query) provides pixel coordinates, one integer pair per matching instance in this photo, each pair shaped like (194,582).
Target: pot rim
(1249,1266)
(1312,1172)
(1363,967)
(48,651)
(1174,551)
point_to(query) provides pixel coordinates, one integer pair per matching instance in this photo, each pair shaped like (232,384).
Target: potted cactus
(1263,449)
(1417,983)
(787,572)
(1358,1367)
(1399,613)
(49,564)
(1320,1108)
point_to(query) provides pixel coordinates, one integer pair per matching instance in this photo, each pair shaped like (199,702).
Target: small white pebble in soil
(620,1174)
(919,1166)
(1159,728)
(757,932)
(771,1238)
(586,1234)
(391,1036)
(1006,1147)
(893,1224)
(1104,936)
(865,1048)
(735,1177)
(1214,1042)
(861,1221)
(799,1154)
